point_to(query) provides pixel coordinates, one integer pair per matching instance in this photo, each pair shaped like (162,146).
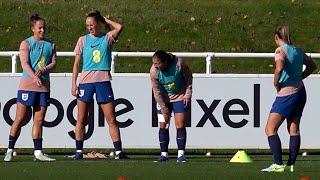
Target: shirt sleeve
(79,46)
(158,95)
(280,54)
(24,50)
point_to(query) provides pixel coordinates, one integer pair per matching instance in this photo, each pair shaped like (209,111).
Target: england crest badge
(25,96)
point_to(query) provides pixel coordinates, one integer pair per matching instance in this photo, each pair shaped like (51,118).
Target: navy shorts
(290,106)
(103,91)
(32,98)
(176,107)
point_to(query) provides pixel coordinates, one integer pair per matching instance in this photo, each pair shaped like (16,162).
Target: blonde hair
(283,33)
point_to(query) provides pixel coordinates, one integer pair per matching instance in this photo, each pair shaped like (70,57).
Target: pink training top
(90,76)
(162,97)
(280,55)
(27,83)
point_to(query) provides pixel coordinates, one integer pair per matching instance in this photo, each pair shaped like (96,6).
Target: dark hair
(164,56)
(99,19)
(283,33)
(34,18)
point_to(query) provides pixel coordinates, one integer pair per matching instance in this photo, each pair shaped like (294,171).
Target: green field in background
(176,26)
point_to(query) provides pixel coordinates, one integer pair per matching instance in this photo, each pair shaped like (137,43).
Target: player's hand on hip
(186,102)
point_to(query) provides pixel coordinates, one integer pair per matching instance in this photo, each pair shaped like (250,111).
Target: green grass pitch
(142,167)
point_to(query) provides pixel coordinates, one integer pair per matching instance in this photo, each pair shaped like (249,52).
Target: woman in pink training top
(38,58)
(94,49)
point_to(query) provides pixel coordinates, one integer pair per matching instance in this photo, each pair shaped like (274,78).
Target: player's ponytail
(283,33)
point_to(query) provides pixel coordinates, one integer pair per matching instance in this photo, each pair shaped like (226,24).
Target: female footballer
(290,100)
(38,58)
(171,81)
(94,49)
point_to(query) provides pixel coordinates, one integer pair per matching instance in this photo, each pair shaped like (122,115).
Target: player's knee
(269,131)
(18,120)
(294,132)
(164,125)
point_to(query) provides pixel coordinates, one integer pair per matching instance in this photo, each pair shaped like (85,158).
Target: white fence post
(208,63)
(14,63)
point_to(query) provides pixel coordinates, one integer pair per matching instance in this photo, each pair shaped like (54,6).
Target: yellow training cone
(241,157)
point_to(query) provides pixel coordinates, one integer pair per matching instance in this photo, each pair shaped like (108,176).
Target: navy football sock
(294,148)
(164,139)
(79,145)
(181,138)
(275,146)
(12,142)
(117,145)
(37,144)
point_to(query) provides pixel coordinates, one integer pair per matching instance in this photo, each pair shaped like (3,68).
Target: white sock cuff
(37,152)
(180,153)
(118,152)
(165,154)
(9,150)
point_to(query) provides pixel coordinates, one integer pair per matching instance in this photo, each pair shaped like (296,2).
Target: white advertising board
(228,111)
